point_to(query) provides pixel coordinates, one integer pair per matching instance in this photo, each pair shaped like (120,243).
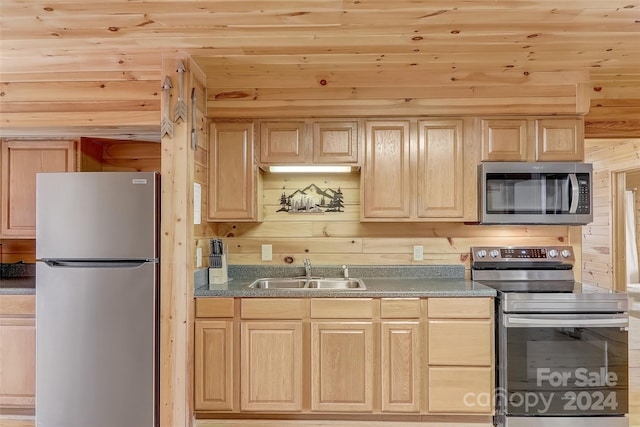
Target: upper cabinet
(283,142)
(317,141)
(533,139)
(233,175)
(386,175)
(21,161)
(419,170)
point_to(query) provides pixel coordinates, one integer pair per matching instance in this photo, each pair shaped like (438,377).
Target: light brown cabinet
(17,351)
(533,139)
(386,172)
(319,356)
(419,170)
(283,142)
(317,141)
(214,365)
(21,161)
(401,349)
(460,355)
(233,180)
(271,366)
(342,366)
(342,354)
(214,368)
(271,354)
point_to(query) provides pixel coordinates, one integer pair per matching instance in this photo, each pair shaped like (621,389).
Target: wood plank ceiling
(93,67)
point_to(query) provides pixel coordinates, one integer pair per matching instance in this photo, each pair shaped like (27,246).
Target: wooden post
(176,287)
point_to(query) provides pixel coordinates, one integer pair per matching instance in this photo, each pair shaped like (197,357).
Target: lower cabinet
(271,366)
(342,366)
(460,355)
(328,356)
(17,352)
(214,365)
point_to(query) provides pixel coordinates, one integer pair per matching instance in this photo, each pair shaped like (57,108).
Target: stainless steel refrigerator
(97,296)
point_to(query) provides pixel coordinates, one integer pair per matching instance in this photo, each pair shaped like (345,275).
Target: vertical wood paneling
(608,156)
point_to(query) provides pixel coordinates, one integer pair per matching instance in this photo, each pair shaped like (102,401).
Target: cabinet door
(282,142)
(232,183)
(335,142)
(214,365)
(560,139)
(401,374)
(461,390)
(461,342)
(342,366)
(17,362)
(386,176)
(440,169)
(21,161)
(504,140)
(271,360)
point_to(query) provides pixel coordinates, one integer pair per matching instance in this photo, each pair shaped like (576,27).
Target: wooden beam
(176,275)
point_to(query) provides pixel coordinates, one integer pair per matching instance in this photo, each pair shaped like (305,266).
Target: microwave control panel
(584,196)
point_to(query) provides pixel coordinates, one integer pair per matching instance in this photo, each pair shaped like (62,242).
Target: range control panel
(561,254)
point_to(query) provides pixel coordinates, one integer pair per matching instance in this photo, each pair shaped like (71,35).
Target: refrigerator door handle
(93,264)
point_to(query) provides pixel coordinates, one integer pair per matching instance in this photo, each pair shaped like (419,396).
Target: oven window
(566,371)
(528,193)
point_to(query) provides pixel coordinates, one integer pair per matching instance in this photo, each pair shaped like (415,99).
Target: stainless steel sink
(279,284)
(335,284)
(308,284)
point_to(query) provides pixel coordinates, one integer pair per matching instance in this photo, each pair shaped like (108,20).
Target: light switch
(267,254)
(198,257)
(418,253)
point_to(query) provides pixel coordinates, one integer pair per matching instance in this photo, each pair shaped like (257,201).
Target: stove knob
(494,253)
(566,253)
(481,254)
(553,253)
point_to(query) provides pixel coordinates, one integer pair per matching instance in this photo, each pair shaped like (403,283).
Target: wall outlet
(198,257)
(418,253)
(267,253)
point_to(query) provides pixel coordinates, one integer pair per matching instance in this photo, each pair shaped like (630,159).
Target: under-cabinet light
(311,168)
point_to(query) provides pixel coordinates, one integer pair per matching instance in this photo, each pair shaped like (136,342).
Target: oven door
(563,365)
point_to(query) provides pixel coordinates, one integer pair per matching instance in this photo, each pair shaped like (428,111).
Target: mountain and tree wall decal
(312,199)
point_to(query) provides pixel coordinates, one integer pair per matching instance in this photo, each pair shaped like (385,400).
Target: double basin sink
(310,284)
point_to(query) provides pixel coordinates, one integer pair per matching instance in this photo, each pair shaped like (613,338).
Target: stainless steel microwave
(535,193)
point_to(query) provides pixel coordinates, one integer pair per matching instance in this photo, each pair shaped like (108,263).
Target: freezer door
(97,215)
(96,361)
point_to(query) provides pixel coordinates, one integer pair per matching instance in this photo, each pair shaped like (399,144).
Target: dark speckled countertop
(17,278)
(383,281)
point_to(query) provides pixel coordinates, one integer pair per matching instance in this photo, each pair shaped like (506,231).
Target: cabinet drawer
(461,390)
(400,308)
(460,342)
(460,308)
(21,305)
(273,308)
(342,308)
(214,307)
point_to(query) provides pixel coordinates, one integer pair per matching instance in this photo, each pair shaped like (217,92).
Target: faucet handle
(345,270)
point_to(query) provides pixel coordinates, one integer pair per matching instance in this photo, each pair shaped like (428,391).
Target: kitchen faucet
(307,268)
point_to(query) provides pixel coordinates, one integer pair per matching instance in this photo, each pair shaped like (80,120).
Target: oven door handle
(575,193)
(532,322)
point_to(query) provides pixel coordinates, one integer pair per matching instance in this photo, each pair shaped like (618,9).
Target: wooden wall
(340,238)
(608,157)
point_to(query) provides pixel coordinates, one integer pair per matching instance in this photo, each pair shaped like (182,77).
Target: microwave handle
(575,193)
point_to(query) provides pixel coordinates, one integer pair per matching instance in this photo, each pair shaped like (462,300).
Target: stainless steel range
(561,346)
